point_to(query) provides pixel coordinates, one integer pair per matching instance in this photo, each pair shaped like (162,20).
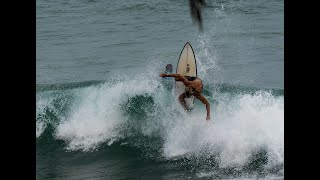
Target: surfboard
(187,66)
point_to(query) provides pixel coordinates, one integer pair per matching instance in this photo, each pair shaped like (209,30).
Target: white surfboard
(187,66)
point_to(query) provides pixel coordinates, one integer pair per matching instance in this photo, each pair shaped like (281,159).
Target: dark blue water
(104,113)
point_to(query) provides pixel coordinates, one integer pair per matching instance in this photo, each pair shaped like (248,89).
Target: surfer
(194,88)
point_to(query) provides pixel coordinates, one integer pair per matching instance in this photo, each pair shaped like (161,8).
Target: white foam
(98,114)
(239,126)
(40,127)
(43,102)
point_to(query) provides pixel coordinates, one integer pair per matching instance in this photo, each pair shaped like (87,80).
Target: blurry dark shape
(195,10)
(168,69)
(167,81)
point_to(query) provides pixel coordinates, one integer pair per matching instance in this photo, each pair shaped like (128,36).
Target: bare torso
(194,87)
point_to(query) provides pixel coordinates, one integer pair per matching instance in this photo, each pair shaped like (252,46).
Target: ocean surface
(103,112)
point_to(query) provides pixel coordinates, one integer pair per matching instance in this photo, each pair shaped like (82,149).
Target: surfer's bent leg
(182,101)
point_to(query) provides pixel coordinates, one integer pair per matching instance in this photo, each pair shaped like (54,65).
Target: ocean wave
(147,117)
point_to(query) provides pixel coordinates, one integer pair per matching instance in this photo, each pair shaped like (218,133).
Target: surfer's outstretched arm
(178,76)
(205,101)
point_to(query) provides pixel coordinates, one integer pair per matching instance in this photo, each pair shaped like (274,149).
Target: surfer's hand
(208,118)
(163,75)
